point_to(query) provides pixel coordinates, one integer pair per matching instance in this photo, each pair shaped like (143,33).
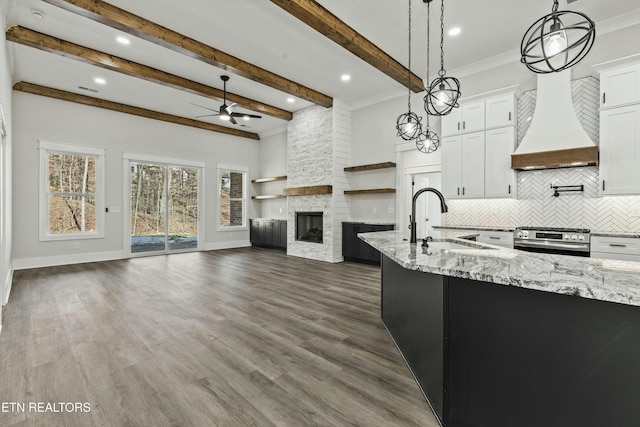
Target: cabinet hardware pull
(458,125)
(603,185)
(464,124)
(604,97)
(509,115)
(509,188)
(458,191)
(494,238)
(463,191)
(617,245)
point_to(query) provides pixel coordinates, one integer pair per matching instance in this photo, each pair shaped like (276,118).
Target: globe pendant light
(408,124)
(557,41)
(443,92)
(428,141)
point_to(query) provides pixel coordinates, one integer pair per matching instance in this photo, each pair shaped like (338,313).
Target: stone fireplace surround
(318,150)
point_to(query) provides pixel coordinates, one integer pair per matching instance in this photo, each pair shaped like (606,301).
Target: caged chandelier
(408,124)
(443,92)
(557,41)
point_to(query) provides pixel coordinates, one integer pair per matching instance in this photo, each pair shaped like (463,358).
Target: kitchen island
(499,337)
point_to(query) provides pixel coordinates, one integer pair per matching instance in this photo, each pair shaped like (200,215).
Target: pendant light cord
(555,6)
(409,68)
(428,51)
(442,72)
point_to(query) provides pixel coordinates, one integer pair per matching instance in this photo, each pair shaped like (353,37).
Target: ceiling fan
(225,112)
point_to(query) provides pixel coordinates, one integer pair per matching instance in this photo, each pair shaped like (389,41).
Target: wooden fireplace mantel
(308,191)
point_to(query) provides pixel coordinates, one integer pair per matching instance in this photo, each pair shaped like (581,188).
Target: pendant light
(428,141)
(443,93)
(408,124)
(557,41)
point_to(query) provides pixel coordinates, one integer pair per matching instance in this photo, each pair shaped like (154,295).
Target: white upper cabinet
(500,111)
(620,86)
(620,150)
(499,178)
(465,119)
(463,166)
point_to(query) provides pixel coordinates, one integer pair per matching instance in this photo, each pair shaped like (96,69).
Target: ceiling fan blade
(232,120)
(232,105)
(202,106)
(253,116)
(207,115)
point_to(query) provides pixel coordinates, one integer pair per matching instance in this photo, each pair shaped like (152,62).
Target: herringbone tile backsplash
(536,205)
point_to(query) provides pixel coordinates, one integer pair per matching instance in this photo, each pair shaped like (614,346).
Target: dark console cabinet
(356,250)
(269,233)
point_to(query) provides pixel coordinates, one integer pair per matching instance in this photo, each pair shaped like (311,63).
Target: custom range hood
(555,137)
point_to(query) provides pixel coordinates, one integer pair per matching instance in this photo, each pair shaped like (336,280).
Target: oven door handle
(581,248)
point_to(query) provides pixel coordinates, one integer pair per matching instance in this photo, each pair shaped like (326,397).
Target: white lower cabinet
(499,238)
(618,248)
(463,166)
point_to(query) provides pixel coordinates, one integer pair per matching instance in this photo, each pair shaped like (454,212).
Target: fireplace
(309,227)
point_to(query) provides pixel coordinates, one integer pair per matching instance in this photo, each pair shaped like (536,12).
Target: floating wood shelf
(308,191)
(370,167)
(274,178)
(371,191)
(268,196)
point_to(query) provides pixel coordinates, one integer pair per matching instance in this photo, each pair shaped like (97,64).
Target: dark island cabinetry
(268,233)
(354,249)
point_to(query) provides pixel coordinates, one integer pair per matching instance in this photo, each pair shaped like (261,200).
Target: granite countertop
(472,227)
(604,280)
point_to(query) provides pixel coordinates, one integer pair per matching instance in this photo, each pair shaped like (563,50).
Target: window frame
(47,147)
(245,173)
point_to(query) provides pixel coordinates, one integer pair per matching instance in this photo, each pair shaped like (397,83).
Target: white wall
(273,162)
(37,117)
(6,269)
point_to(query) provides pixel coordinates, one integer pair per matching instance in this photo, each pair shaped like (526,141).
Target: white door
(452,167)
(473,117)
(620,150)
(473,165)
(500,179)
(428,212)
(620,87)
(499,111)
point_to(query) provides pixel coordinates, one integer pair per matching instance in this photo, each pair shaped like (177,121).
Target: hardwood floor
(240,337)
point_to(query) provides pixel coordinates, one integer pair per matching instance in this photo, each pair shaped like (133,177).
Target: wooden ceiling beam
(129,109)
(67,49)
(326,23)
(112,16)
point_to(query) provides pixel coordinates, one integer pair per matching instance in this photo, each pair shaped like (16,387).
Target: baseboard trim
(51,261)
(227,245)
(8,281)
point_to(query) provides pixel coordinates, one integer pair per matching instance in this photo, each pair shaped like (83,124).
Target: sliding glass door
(164,207)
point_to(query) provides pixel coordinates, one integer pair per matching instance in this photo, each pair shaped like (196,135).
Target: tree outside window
(70,197)
(232,198)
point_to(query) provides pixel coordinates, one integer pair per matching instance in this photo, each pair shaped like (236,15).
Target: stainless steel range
(561,241)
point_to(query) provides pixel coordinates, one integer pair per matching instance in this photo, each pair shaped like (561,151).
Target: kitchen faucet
(412,218)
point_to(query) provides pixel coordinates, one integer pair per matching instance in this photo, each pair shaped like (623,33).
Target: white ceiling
(260,32)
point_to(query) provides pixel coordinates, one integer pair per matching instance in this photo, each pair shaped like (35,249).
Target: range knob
(519,234)
(566,237)
(574,237)
(581,237)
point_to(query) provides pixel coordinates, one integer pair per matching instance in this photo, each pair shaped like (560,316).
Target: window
(71,192)
(231,197)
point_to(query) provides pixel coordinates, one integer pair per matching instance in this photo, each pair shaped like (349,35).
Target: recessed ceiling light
(454,31)
(37,13)
(291,100)
(100,81)
(123,40)
(345,77)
